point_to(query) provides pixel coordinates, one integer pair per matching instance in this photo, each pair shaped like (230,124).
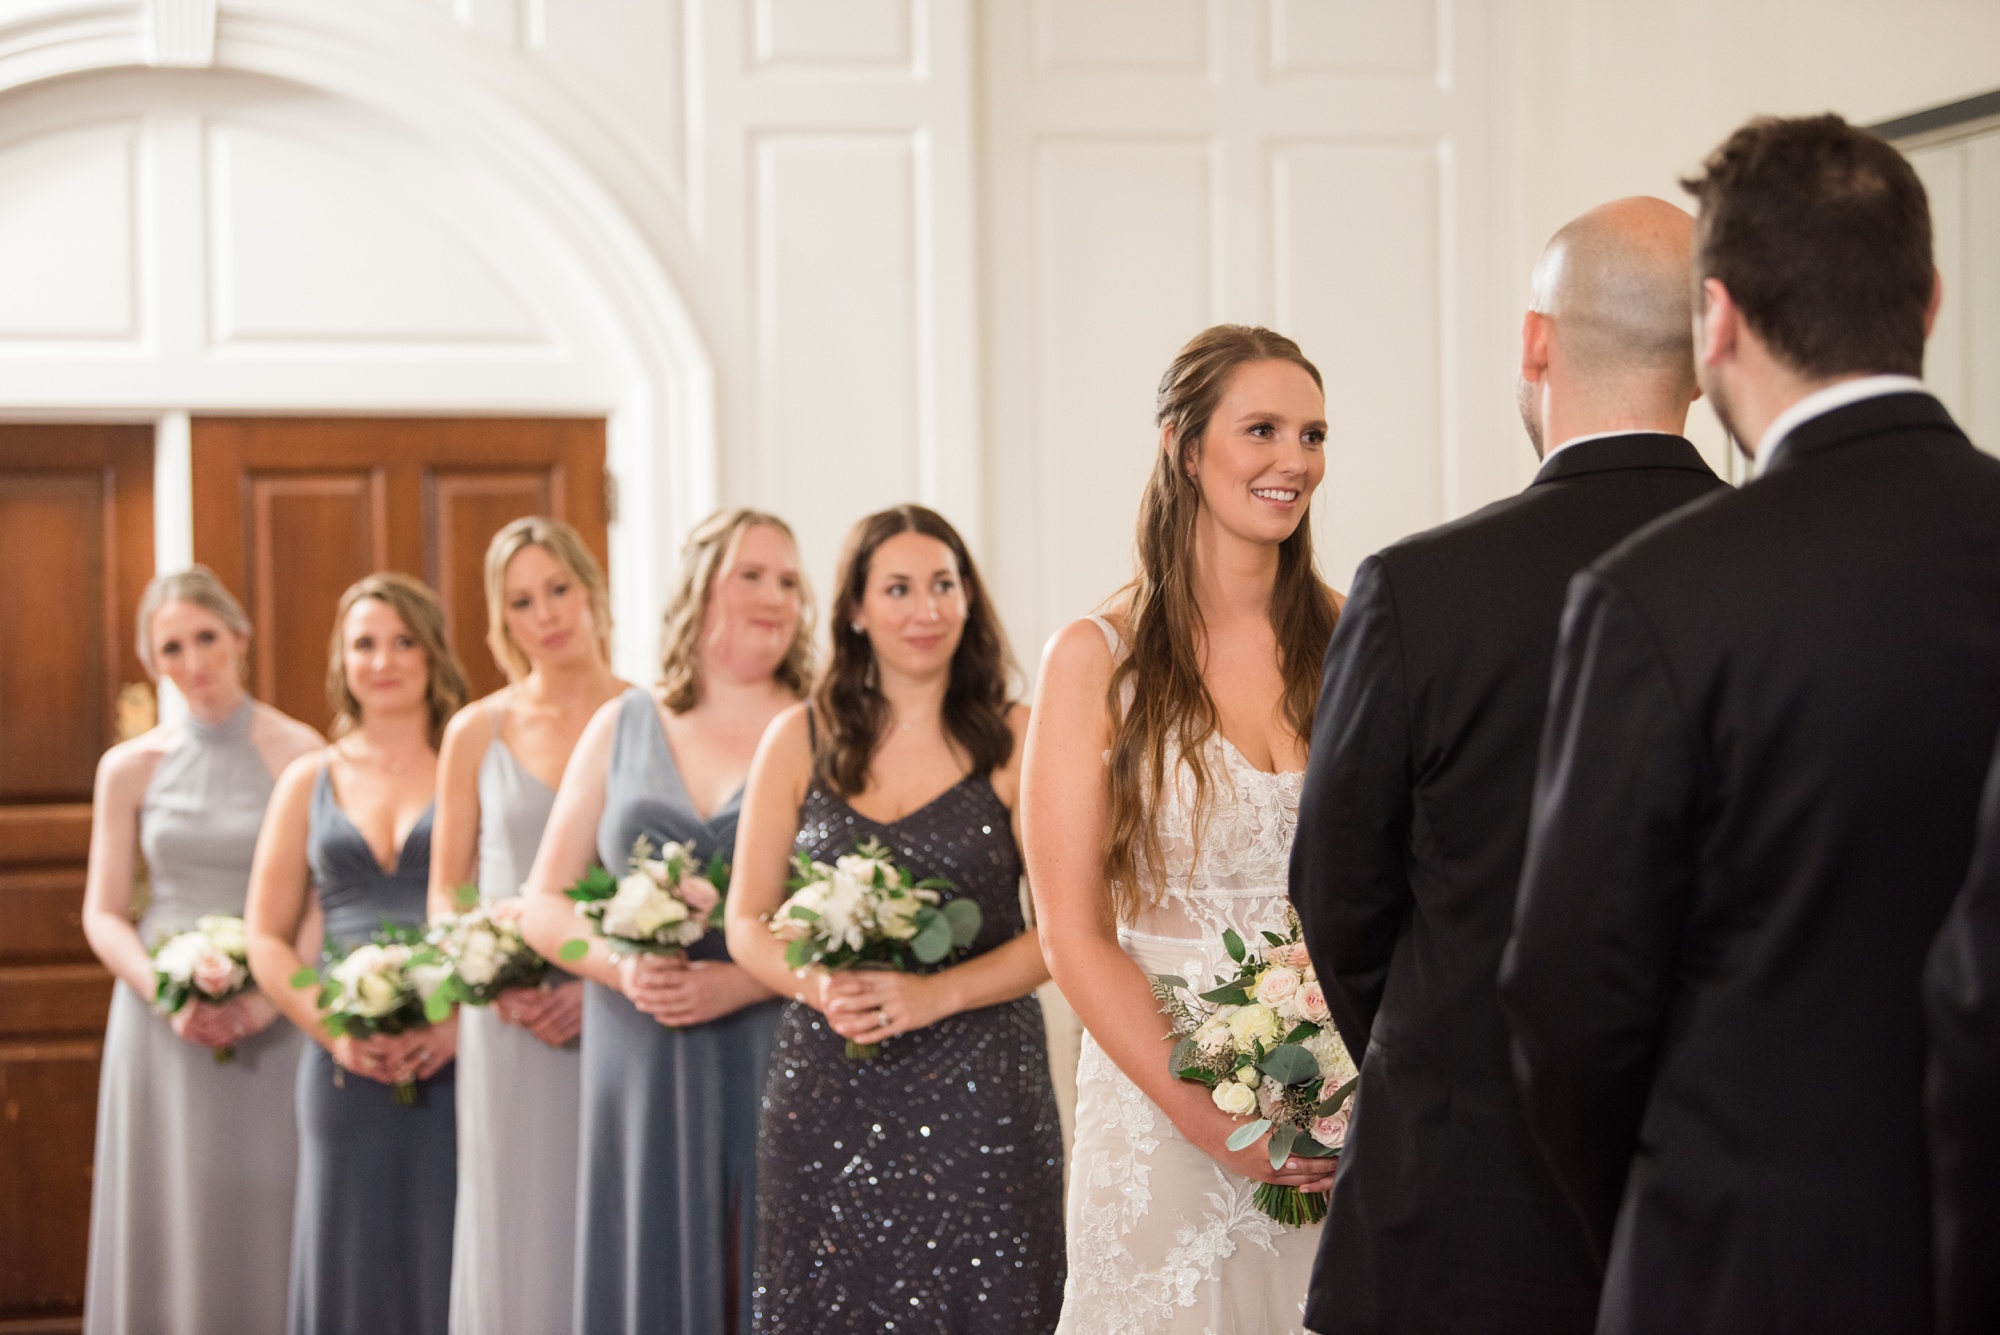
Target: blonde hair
(702,557)
(197,585)
(565,547)
(445,686)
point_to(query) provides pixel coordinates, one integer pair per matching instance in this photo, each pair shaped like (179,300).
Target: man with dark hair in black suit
(1962,1094)
(1415,806)
(1770,724)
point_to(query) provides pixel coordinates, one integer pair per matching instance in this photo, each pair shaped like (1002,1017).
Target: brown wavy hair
(1169,703)
(565,547)
(703,556)
(445,687)
(848,705)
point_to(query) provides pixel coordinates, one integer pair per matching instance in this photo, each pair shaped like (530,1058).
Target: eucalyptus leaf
(1281,1144)
(1230,994)
(964,918)
(1331,1104)
(1171,980)
(1289,1064)
(1185,1057)
(437,1007)
(1243,1137)
(933,942)
(305,978)
(573,950)
(1305,1147)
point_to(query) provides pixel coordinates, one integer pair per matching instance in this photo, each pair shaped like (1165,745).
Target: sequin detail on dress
(920,1191)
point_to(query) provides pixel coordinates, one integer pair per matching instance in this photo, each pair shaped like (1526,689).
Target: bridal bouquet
(484,953)
(1264,1044)
(865,912)
(210,963)
(662,904)
(389,985)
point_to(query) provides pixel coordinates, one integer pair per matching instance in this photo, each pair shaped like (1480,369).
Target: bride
(1160,790)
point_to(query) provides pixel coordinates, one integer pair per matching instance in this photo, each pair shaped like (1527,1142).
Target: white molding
(528,135)
(180,33)
(173,492)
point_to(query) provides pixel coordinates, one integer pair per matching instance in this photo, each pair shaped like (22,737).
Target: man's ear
(1717,325)
(1535,331)
(1936,301)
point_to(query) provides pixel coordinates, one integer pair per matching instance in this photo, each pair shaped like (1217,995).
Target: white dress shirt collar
(1595,435)
(1823,401)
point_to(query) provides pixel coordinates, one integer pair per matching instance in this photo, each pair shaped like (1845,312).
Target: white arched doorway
(331,216)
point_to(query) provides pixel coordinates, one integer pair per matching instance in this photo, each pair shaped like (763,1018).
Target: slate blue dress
(667,1211)
(371,1238)
(191,1198)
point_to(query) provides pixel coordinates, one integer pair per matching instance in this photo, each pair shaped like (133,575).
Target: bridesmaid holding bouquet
(191,1198)
(549,626)
(675,1048)
(371,1235)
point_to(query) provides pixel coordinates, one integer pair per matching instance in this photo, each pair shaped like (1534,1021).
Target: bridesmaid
(675,1051)
(920,1190)
(371,1235)
(191,1199)
(549,625)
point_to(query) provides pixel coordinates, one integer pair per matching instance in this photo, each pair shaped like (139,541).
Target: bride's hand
(1254,1161)
(865,1006)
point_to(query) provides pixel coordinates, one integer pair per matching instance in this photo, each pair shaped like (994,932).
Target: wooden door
(76,541)
(290,511)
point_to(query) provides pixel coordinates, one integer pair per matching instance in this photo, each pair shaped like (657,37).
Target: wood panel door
(290,511)
(76,538)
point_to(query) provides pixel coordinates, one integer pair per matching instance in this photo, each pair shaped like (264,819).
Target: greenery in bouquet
(388,985)
(1263,1043)
(664,903)
(208,963)
(484,952)
(865,912)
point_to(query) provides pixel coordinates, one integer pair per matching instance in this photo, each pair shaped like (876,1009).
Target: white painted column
(173,519)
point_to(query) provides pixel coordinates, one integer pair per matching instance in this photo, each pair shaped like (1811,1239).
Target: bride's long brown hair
(1157,696)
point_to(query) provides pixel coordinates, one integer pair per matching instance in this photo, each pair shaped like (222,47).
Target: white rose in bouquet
(1212,1036)
(1235,1098)
(1312,1004)
(367,976)
(1251,1025)
(640,908)
(479,960)
(217,975)
(225,933)
(178,955)
(1277,985)
(898,917)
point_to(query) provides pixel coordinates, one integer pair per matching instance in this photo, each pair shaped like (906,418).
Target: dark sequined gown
(920,1191)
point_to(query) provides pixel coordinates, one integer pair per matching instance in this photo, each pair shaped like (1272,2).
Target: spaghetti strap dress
(667,1210)
(371,1239)
(919,1191)
(191,1198)
(514,1253)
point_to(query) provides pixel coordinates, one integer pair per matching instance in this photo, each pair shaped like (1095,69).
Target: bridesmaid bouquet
(483,952)
(389,985)
(660,906)
(209,963)
(1264,1044)
(865,912)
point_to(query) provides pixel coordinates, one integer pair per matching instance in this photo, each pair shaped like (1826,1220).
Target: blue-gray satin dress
(371,1239)
(667,1205)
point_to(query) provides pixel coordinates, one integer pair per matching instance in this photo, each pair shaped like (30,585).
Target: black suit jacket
(1962,1000)
(1412,823)
(1771,720)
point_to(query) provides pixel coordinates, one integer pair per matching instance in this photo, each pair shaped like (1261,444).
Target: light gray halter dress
(514,1252)
(191,1201)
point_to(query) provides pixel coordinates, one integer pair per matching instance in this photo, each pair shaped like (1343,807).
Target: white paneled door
(1156,166)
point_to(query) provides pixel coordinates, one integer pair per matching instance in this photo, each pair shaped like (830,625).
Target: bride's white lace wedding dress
(1162,1238)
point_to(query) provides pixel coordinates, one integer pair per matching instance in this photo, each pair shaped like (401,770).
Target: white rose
(898,917)
(479,959)
(1312,1003)
(426,977)
(177,956)
(1331,1131)
(375,996)
(217,975)
(639,909)
(1212,1037)
(1277,985)
(1235,1098)
(224,933)
(1251,1025)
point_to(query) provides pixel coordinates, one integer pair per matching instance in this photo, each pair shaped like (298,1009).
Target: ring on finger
(882,1017)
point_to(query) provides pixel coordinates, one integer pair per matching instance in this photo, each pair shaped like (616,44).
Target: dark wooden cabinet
(76,538)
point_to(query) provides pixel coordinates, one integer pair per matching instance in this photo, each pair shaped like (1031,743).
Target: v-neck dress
(920,1191)
(371,1238)
(513,1260)
(667,1210)
(191,1199)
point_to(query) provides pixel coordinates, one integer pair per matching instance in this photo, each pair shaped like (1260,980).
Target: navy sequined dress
(920,1191)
